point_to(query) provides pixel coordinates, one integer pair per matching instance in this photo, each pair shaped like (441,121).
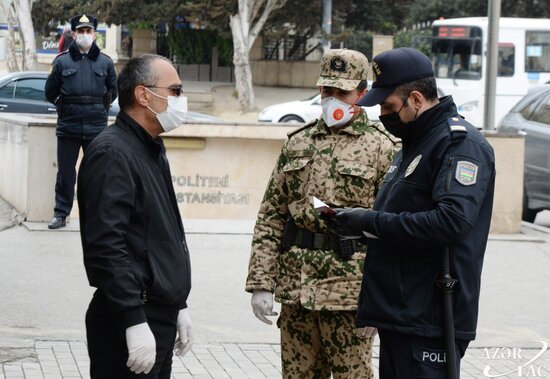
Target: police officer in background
(340,159)
(82,85)
(438,194)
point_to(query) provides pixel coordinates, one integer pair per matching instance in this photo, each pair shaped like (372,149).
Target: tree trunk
(244,34)
(26,29)
(12,57)
(243,74)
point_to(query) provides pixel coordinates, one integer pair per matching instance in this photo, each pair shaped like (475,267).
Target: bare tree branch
(257,28)
(245,25)
(12,57)
(256,8)
(22,10)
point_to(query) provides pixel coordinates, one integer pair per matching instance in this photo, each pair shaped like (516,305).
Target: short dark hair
(137,71)
(426,86)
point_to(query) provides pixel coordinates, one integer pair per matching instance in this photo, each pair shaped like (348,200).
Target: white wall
(220,171)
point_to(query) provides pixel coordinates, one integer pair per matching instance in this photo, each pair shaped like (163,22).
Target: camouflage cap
(343,68)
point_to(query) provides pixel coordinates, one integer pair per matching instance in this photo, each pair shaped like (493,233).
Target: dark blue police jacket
(438,192)
(77,85)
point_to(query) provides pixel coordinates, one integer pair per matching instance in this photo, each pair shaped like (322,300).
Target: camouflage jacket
(343,170)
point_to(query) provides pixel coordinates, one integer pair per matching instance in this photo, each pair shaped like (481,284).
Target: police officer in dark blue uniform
(82,85)
(437,194)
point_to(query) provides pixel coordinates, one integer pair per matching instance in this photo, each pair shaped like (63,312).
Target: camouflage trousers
(315,344)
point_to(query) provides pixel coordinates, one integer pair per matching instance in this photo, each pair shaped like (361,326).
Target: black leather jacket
(132,234)
(81,86)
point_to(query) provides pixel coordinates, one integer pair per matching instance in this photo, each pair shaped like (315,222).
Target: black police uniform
(82,86)
(437,193)
(134,247)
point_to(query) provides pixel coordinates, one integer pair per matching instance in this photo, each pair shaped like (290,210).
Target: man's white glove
(142,348)
(185,333)
(366,332)
(262,305)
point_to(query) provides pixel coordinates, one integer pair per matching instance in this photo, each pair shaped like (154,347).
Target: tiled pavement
(69,360)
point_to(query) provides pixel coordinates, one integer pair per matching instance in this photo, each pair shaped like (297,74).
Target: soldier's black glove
(347,222)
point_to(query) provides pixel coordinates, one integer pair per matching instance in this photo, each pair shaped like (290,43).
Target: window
(458,57)
(529,108)
(542,111)
(506,59)
(30,89)
(537,52)
(6,92)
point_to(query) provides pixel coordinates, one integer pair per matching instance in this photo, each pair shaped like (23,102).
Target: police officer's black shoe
(57,222)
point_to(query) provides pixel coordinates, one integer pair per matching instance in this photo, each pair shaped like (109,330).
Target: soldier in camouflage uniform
(340,159)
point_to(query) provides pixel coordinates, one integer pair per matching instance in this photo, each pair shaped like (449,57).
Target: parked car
(23,92)
(531,118)
(303,111)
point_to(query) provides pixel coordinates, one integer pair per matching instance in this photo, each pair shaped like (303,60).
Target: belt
(82,100)
(319,241)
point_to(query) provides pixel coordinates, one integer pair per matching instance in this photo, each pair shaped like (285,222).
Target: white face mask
(174,115)
(84,41)
(336,112)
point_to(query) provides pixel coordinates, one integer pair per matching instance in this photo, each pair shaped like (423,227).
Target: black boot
(57,222)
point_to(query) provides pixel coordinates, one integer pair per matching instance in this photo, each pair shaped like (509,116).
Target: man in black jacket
(82,85)
(135,252)
(437,194)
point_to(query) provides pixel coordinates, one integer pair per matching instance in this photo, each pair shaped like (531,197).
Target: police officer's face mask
(393,124)
(84,41)
(174,115)
(335,112)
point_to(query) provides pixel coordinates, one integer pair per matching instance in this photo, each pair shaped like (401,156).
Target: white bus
(459,57)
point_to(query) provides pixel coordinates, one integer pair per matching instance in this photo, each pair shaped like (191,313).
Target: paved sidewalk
(69,360)
(42,333)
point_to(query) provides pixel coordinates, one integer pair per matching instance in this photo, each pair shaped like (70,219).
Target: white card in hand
(321,207)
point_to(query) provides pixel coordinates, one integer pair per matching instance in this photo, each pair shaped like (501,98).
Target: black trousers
(404,356)
(107,344)
(67,155)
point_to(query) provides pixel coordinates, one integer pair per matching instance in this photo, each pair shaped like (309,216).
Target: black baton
(446,283)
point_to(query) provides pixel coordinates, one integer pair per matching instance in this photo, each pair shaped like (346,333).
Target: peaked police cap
(392,68)
(83,21)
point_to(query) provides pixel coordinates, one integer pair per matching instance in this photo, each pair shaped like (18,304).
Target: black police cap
(393,68)
(83,21)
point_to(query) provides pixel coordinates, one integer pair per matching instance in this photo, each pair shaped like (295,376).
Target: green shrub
(359,40)
(194,46)
(419,39)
